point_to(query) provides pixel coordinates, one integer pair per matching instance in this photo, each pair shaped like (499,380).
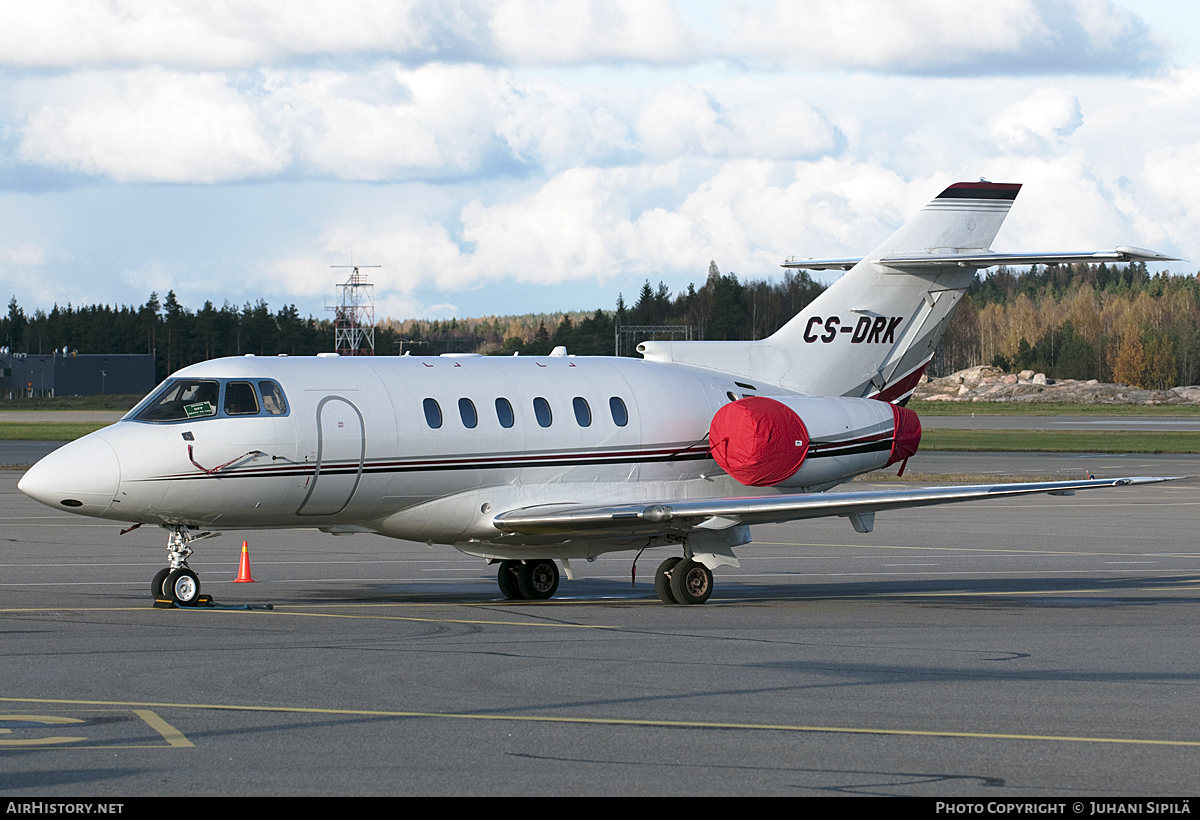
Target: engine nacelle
(806,442)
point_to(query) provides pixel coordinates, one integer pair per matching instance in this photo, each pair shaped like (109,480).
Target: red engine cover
(759,441)
(908,433)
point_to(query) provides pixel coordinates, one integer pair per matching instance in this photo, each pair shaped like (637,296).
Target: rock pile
(986,383)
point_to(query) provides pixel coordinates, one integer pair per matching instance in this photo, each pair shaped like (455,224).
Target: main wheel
(507,579)
(662,580)
(157,585)
(183,586)
(691,582)
(538,579)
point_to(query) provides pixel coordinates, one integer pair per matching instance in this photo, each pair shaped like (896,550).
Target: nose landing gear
(177,582)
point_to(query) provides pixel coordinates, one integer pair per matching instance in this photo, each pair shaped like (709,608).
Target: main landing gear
(535,580)
(177,581)
(683,581)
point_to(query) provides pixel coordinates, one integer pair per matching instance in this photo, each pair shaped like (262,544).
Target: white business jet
(531,460)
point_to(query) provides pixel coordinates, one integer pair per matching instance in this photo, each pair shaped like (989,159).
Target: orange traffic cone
(244,569)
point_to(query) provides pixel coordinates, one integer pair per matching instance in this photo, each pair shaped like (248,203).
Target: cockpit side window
(240,399)
(183,399)
(273,399)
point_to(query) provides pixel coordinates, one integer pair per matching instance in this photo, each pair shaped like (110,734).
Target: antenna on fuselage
(354,314)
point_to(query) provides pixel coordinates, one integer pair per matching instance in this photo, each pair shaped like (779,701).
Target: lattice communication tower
(354,314)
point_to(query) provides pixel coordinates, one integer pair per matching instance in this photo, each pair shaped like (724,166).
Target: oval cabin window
(504,413)
(619,413)
(433,414)
(466,409)
(541,411)
(583,413)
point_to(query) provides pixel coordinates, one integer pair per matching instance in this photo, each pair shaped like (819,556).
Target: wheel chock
(207,601)
(167,603)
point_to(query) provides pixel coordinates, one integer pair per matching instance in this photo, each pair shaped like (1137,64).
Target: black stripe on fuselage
(419,467)
(817,450)
(853,450)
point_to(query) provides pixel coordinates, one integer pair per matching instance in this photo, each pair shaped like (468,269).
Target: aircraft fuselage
(357,449)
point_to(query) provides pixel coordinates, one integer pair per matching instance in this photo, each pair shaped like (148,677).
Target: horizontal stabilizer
(679,516)
(986,259)
(844,263)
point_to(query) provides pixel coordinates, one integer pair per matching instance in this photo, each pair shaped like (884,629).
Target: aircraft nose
(80,477)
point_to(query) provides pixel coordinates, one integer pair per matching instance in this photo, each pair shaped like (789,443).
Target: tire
(538,580)
(183,586)
(691,582)
(662,580)
(507,579)
(157,585)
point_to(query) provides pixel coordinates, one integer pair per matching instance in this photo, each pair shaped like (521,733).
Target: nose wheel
(183,586)
(177,582)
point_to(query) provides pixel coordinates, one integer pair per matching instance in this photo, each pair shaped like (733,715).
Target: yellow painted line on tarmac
(648,722)
(26,742)
(278,610)
(442,620)
(173,736)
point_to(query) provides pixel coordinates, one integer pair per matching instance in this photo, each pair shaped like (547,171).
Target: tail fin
(873,332)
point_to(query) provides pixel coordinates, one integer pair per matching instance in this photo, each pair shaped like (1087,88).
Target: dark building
(25,375)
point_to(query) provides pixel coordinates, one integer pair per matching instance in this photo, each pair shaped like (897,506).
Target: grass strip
(1059,441)
(47,430)
(67,403)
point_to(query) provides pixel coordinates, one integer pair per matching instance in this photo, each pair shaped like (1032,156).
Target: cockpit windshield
(183,399)
(195,399)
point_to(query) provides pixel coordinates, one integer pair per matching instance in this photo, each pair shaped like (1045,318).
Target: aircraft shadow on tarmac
(977,593)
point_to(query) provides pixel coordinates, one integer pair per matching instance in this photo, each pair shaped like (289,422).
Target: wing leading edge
(721,513)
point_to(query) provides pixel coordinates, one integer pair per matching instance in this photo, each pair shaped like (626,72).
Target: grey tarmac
(1042,646)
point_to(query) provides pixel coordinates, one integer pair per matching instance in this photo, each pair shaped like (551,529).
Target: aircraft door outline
(327,501)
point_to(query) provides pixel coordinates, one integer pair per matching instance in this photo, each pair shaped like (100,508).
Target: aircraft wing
(719,513)
(987,259)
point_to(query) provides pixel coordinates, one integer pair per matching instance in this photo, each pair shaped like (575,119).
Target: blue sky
(525,155)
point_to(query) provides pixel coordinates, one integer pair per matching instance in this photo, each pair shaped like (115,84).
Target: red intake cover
(908,433)
(759,441)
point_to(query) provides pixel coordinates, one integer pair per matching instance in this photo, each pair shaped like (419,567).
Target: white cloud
(388,123)
(581,225)
(1039,122)
(25,253)
(539,32)
(943,36)
(212,34)
(162,126)
(684,119)
(391,123)
(150,125)
(920,36)
(1172,181)
(557,126)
